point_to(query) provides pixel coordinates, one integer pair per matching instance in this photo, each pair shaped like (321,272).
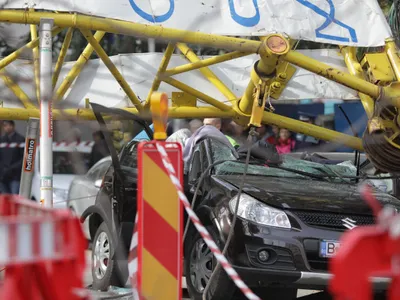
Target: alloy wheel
(101,255)
(201,265)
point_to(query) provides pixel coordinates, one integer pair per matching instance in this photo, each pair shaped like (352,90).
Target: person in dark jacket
(10,159)
(99,150)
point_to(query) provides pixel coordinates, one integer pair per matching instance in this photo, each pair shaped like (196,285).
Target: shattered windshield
(287,169)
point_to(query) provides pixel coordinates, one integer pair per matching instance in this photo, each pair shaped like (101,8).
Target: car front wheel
(102,266)
(199,265)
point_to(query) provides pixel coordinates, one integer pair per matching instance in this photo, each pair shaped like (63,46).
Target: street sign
(160,222)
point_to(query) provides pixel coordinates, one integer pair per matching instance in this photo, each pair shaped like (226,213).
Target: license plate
(328,248)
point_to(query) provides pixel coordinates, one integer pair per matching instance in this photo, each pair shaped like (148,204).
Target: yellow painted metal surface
(16,54)
(77,68)
(61,56)
(378,68)
(393,55)
(204,63)
(183,99)
(128,28)
(35,51)
(193,58)
(16,89)
(112,68)
(333,74)
(354,67)
(163,66)
(267,80)
(312,130)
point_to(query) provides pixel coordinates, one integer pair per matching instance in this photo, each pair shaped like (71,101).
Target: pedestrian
(194,125)
(217,123)
(274,136)
(11,159)
(99,150)
(285,143)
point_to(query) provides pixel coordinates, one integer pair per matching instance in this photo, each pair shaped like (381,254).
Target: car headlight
(60,194)
(253,210)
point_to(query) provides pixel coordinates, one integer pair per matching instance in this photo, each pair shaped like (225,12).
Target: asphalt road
(303,294)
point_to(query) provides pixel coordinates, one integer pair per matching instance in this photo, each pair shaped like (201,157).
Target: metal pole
(152,45)
(46,114)
(28,166)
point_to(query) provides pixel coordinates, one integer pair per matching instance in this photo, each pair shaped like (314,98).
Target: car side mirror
(98,182)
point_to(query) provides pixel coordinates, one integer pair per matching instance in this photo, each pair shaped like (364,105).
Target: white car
(83,190)
(67,160)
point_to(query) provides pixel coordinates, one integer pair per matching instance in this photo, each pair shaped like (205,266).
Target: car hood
(289,193)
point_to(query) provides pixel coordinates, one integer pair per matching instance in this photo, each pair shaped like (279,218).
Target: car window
(195,166)
(63,162)
(98,171)
(129,158)
(233,166)
(221,151)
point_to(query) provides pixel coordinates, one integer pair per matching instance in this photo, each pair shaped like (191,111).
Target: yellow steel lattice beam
(333,74)
(87,113)
(192,57)
(32,44)
(204,63)
(163,66)
(130,28)
(312,130)
(16,89)
(35,50)
(393,55)
(112,68)
(61,56)
(354,67)
(77,68)
(185,88)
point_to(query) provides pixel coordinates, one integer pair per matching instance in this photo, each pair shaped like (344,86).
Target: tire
(103,268)
(199,267)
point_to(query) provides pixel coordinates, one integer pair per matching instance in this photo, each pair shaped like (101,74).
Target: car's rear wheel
(103,267)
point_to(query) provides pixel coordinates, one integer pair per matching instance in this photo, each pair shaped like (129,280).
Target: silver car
(83,190)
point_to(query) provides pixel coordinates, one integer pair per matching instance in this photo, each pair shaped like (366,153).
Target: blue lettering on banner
(152,18)
(329,19)
(245,21)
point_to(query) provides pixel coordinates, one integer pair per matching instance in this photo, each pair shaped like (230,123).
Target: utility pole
(46,112)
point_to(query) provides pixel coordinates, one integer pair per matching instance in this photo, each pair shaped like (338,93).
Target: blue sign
(245,21)
(153,18)
(329,19)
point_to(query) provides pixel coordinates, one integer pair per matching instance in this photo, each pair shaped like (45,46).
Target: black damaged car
(290,218)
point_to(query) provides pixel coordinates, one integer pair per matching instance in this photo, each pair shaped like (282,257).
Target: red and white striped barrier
(55,144)
(37,245)
(202,230)
(31,239)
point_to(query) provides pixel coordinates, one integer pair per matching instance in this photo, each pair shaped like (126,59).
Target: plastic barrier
(159,238)
(43,251)
(368,252)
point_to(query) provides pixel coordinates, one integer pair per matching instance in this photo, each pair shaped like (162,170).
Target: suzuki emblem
(349,223)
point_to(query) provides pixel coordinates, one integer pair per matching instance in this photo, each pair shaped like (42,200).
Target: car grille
(332,220)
